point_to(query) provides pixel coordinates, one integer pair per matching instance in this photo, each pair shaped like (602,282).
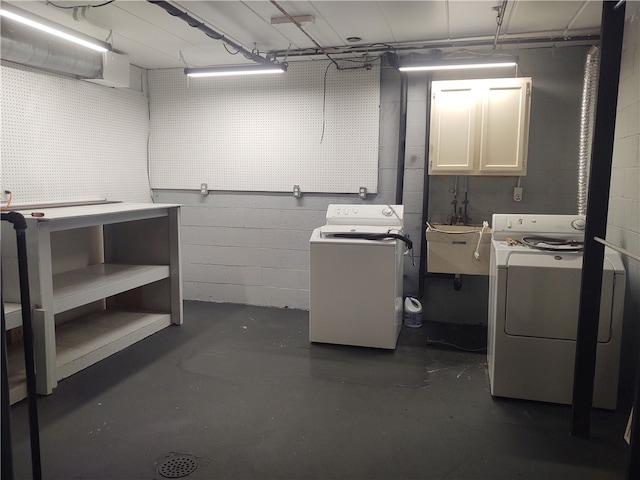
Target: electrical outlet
(204,189)
(517,194)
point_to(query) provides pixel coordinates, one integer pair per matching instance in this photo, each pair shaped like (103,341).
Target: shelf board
(85,341)
(12,315)
(79,287)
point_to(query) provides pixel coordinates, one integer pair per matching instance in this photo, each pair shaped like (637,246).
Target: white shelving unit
(102,277)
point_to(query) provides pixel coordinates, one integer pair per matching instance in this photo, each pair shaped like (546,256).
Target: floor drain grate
(177,466)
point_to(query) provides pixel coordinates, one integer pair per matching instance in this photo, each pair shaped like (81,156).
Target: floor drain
(177,466)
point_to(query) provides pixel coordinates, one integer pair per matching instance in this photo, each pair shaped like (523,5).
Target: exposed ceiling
(155,39)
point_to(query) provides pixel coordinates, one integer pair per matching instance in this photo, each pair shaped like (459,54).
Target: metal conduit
(499,20)
(209,32)
(511,40)
(297,24)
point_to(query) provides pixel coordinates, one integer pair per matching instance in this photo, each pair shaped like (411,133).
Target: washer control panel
(516,226)
(391,215)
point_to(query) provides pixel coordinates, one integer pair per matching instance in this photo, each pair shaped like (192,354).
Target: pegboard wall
(266,133)
(65,139)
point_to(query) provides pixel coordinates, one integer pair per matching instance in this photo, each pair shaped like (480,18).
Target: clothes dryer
(534,293)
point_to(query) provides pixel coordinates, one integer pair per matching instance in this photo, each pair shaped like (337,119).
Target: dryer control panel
(387,215)
(570,227)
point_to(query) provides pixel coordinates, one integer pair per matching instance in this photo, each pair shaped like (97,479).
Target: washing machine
(534,295)
(356,267)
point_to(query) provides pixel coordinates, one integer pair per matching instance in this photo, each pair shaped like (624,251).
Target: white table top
(76,211)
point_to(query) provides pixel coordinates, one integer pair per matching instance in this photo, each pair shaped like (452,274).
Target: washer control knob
(579,224)
(387,212)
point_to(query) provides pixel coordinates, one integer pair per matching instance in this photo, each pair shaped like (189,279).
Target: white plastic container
(412,312)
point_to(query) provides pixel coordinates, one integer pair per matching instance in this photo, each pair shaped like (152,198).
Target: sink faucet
(460,218)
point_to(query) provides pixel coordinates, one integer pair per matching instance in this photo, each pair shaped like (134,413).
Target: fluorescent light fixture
(33,21)
(228,70)
(455,65)
(297,18)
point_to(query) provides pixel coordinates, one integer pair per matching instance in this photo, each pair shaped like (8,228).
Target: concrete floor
(242,390)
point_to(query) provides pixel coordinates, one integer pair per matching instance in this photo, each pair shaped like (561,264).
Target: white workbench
(102,277)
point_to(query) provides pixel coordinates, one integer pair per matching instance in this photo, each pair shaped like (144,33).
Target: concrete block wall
(550,185)
(250,248)
(623,226)
(253,247)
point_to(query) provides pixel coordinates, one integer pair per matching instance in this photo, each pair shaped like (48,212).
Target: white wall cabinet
(479,127)
(102,277)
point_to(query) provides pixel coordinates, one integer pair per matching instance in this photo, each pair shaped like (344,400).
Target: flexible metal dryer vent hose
(587,113)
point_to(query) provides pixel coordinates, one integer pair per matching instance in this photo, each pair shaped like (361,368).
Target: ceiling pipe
(499,19)
(297,24)
(209,32)
(448,44)
(575,17)
(36,49)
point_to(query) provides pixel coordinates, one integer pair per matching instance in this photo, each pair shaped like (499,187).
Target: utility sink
(458,249)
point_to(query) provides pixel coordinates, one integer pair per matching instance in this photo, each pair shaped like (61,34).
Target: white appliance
(534,296)
(355,289)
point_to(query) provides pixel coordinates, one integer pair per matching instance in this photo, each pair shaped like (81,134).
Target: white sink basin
(461,249)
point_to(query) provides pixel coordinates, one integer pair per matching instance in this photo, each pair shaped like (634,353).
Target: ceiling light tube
(470,64)
(33,21)
(229,70)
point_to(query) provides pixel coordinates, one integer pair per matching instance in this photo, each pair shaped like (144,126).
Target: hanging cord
(79,6)
(553,244)
(381,236)
(476,254)
(8,204)
(376,236)
(324,101)
(453,345)
(395,213)
(183,59)
(229,51)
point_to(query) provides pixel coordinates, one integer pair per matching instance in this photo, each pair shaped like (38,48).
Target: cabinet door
(505,126)
(452,140)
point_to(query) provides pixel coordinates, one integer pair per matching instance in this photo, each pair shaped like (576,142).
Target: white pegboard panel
(65,139)
(265,133)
